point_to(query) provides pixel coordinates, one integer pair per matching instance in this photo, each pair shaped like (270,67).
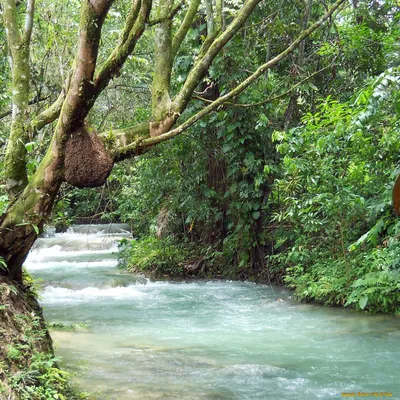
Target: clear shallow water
(203,340)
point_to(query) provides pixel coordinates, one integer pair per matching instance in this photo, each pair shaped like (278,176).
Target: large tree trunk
(70,145)
(25,218)
(15,245)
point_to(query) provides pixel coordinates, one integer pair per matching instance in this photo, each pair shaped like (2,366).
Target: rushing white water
(202,340)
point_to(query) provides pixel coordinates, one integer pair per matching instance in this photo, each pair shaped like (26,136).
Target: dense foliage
(310,205)
(289,182)
(338,231)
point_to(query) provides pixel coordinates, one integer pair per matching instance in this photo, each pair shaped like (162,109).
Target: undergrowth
(153,256)
(28,368)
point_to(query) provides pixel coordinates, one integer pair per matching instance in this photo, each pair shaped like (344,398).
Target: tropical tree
(76,153)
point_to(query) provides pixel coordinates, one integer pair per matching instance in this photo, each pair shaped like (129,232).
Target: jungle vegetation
(240,139)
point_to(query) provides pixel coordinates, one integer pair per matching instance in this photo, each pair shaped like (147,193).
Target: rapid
(202,339)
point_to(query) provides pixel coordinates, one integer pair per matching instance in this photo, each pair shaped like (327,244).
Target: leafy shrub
(337,234)
(44,380)
(154,256)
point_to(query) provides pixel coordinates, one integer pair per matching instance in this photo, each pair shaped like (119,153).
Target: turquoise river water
(202,340)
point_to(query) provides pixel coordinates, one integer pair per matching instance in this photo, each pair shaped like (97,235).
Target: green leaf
(29,146)
(363,302)
(36,228)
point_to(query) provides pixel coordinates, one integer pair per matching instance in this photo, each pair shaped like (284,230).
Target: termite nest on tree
(87,162)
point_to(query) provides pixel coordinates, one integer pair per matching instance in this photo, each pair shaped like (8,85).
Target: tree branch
(82,91)
(210,18)
(49,115)
(35,101)
(168,16)
(268,99)
(164,112)
(161,101)
(184,28)
(219,11)
(11,24)
(29,21)
(130,21)
(123,137)
(212,33)
(15,157)
(133,30)
(202,65)
(140,146)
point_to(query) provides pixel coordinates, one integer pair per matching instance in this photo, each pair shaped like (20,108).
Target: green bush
(44,380)
(153,256)
(337,235)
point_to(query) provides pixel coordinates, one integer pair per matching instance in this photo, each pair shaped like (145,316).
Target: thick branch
(123,137)
(15,158)
(212,33)
(165,112)
(82,91)
(133,30)
(171,14)
(143,145)
(29,21)
(161,102)
(49,115)
(11,24)
(219,11)
(129,22)
(210,18)
(202,65)
(184,28)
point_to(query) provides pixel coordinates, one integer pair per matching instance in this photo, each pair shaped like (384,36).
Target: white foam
(53,294)
(37,255)
(255,369)
(35,265)
(103,229)
(88,236)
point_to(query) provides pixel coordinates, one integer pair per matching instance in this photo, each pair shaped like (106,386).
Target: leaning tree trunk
(75,154)
(24,219)
(81,160)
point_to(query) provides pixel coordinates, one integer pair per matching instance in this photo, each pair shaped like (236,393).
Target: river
(202,340)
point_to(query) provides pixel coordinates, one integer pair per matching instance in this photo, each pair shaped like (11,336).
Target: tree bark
(28,212)
(18,46)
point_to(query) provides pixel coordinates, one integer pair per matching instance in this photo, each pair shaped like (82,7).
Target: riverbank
(29,369)
(373,292)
